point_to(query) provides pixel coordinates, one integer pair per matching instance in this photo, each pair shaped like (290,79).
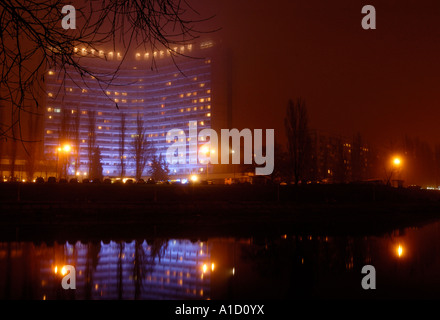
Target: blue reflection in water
(161,269)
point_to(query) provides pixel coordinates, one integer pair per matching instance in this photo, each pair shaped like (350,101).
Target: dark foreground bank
(30,211)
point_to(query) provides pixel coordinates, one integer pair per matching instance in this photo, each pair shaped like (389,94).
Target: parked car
(73,180)
(63,180)
(107,181)
(141,181)
(39,180)
(51,180)
(129,181)
(86,181)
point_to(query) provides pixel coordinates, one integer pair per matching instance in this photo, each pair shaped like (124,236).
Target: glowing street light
(397,161)
(399,251)
(205,150)
(66,148)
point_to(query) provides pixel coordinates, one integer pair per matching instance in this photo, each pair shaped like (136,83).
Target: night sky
(382,83)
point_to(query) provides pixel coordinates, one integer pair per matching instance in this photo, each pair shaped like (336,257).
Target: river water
(406,264)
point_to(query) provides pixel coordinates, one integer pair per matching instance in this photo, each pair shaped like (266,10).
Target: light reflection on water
(407,263)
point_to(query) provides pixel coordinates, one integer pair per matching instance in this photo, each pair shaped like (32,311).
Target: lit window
(50,117)
(195,78)
(181,95)
(49,131)
(50,94)
(208,114)
(208,91)
(108,93)
(202,100)
(168,83)
(83,112)
(202,123)
(99,127)
(100,113)
(181,110)
(162,105)
(51,72)
(116,93)
(116,100)
(49,109)
(58,110)
(201,108)
(124,100)
(201,85)
(124,94)
(195,109)
(208,107)
(84,90)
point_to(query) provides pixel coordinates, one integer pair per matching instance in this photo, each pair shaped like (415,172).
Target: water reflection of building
(175,269)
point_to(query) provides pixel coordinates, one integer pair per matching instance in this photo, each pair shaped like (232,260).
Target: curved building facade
(164,92)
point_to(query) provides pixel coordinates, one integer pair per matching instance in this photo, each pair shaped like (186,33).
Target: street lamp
(397,164)
(207,151)
(66,148)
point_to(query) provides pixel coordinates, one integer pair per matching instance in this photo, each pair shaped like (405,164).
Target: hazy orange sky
(383,83)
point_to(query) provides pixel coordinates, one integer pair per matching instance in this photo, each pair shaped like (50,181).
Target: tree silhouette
(122,132)
(298,138)
(159,170)
(141,148)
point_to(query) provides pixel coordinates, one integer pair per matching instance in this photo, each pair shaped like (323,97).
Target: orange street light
(397,161)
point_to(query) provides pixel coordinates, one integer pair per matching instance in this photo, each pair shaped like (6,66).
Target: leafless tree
(122,132)
(298,138)
(141,148)
(32,147)
(33,40)
(91,141)
(76,137)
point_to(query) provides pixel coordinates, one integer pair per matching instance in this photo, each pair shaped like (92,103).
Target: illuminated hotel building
(166,95)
